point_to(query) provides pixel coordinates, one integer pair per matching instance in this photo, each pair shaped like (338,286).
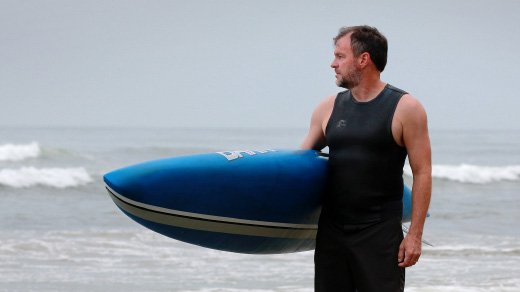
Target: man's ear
(364,59)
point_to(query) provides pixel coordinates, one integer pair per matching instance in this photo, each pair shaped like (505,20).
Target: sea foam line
(17,152)
(53,177)
(467,173)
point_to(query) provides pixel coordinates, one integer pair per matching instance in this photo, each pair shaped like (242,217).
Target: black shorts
(360,257)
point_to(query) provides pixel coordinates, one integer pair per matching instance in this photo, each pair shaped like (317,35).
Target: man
(369,129)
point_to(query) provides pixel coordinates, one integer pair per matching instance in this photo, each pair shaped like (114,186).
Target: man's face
(348,74)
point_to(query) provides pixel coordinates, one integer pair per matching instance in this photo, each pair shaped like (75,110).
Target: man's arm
(412,117)
(315,139)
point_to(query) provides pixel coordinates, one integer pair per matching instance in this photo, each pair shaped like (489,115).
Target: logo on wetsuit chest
(341,124)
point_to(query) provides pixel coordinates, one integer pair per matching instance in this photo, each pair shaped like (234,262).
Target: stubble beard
(351,79)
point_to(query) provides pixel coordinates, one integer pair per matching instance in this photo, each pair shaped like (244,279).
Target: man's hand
(409,251)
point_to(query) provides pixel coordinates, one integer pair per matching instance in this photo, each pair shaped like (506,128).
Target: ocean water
(59,230)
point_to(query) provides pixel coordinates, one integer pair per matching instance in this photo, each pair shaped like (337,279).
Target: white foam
(277,289)
(53,177)
(467,173)
(461,288)
(17,152)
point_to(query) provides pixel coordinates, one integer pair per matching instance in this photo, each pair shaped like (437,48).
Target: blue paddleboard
(258,202)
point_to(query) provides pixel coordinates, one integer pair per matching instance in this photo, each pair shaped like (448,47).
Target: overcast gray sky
(247,63)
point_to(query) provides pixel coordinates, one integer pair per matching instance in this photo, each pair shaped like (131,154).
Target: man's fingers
(409,260)
(400,256)
(406,262)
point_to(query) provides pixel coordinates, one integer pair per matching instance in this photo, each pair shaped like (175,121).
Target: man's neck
(368,89)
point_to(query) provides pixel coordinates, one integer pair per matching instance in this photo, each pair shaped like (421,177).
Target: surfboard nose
(136,181)
(124,181)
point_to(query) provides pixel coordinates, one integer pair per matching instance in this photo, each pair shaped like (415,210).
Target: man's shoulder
(393,88)
(410,102)
(324,109)
(409,108)
(327,102)
(406,100)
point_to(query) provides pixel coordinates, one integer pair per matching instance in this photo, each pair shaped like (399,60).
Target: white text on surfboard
(233,155)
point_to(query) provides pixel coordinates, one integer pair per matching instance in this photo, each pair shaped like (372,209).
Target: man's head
(366,39)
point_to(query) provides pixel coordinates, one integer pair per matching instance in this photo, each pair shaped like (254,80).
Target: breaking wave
(18,152)
(466,173)
(52,177)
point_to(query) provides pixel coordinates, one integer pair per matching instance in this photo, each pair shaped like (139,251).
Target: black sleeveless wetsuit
(365,163)
(359,231)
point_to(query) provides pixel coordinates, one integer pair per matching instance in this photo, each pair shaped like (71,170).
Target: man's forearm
(421,196)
